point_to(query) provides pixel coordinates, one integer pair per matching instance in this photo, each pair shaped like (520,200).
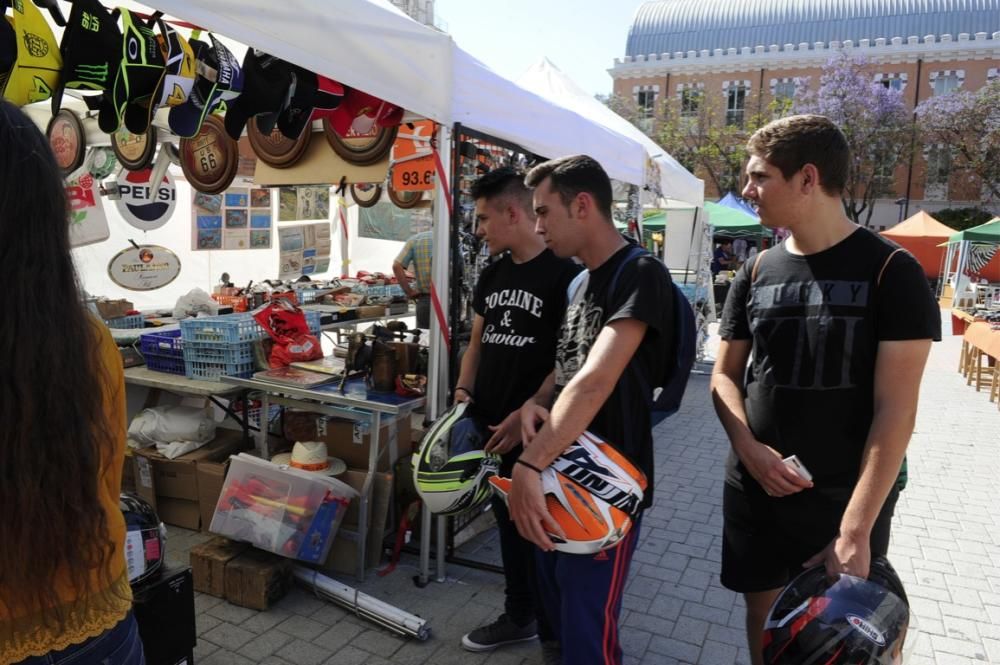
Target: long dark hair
(53,433)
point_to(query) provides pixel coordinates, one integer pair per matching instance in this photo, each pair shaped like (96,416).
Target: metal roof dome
(668,26)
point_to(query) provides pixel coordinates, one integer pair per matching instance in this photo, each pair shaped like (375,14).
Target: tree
(969,122)
(698,132)
(875,122)
(963,218)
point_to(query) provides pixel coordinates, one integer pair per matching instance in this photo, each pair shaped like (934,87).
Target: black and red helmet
(145,539)
(851,621)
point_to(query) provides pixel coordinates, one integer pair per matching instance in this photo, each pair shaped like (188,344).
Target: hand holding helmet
(851,621)
(591,492)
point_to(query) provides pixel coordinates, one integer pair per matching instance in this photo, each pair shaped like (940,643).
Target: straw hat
(311,456)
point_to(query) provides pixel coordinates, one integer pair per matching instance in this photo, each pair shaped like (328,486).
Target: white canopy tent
(371,45)
(547,80)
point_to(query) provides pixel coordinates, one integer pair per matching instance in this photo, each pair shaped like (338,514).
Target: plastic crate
(290,512)
(313,320)
(165,344)
(238,303)
(211,371)
(229,329)
(306,296)
(166,364)
(222,354)
(131,321)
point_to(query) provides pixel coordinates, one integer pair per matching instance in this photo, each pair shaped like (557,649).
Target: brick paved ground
(946,546)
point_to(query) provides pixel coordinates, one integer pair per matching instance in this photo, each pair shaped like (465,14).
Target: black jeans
(522,602)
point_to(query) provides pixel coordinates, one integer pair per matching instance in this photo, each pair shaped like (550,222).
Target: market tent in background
(548,81)
(922,236)
(972,256)
(730,200)
(988,232)
(735,223)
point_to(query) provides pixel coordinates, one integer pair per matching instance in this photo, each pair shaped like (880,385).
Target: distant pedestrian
(837,323)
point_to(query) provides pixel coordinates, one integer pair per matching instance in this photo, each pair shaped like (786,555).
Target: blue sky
(582,38)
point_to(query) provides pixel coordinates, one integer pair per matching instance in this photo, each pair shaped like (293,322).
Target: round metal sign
(144,268)
(143,206)
(210,158)
(68,141)
(275,149)
(134,151)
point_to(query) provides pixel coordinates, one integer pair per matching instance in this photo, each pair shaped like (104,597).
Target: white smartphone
(796,465)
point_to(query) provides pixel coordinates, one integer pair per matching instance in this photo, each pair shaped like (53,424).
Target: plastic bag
(167,424)
(286,324)
(193,303)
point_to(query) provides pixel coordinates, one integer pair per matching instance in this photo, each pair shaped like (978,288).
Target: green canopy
(733,223)
(988,232)
(656,221)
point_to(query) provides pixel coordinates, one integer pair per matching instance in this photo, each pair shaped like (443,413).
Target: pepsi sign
(143,206)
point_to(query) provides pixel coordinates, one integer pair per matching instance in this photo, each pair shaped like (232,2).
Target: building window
(883,178)
(892,81)
(939,160)
(945,82)
(645,100)
(736,101)
(784,90)
(691,99)
(992,74)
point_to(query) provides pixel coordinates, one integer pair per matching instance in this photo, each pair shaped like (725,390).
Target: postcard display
(239,218)
(304,248)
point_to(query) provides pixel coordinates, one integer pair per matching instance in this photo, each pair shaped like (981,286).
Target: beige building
(742,55)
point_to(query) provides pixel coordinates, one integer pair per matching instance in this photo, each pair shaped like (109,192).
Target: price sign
(416,175)
(412,158)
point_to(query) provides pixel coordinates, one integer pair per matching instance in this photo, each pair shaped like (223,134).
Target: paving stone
(348,656)
(229,636)
(301,627)
(265,644)
(301,652)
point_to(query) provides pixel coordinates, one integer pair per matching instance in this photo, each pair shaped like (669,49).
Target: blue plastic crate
(165,344)
(229,329)
(131,321)
(167,364)
(222,354)
(306,296)
(209,371)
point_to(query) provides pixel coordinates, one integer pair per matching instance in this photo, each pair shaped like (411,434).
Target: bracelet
(466,391)
(527,464)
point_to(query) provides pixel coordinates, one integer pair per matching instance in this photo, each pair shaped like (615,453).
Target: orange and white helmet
(592,491)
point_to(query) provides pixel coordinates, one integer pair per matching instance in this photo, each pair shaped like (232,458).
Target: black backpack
(664,397)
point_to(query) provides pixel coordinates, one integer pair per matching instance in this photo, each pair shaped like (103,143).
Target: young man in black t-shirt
(519,303)
(611,343)
(837,323)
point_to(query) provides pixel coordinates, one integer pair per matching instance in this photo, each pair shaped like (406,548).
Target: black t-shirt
(642,292)
(816,322)
(522,305)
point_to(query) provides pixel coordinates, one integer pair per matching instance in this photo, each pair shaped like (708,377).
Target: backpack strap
(756,265)
(885,265)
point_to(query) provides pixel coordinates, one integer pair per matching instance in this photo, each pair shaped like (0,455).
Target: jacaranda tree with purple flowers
(875,121)
(969,122)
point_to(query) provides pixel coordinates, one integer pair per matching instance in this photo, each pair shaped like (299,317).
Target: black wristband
(466,391)
(527,464)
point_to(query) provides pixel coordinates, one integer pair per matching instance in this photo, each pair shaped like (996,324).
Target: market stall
(922,236)
(971,266)
(368,48)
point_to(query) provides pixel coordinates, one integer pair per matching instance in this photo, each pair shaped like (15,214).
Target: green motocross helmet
(451,471)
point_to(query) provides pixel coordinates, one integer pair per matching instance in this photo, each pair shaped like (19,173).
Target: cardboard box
(344,438)
(128,472)
(370,311)
(209,561)
(211,478)
(343,556)
(171,485)
(113,309)
(256,579)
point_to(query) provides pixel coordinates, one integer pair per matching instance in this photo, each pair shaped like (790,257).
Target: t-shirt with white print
(642,292)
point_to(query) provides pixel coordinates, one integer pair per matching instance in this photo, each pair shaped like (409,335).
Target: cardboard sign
(145,268)
(87,222)
(412,158)
(145,207)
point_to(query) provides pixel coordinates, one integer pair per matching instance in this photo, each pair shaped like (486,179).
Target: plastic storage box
(283,510)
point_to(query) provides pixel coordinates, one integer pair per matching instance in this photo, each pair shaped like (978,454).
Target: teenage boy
(838,323)
(519,302)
